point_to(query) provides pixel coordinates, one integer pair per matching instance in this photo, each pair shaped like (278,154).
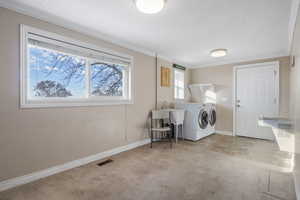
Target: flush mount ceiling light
(150,6)
(216,53)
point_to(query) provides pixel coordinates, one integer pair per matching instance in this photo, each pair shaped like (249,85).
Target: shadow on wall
(224,118)
(223,94)
(224,108)
(210,96)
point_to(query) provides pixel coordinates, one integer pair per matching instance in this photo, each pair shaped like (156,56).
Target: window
(57,71)
(178,84)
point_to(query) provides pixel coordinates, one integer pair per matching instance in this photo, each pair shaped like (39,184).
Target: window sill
(34,104)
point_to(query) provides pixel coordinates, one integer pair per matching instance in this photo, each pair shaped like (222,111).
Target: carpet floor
(214,168)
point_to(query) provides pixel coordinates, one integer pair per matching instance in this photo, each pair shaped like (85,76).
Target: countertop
(282,129)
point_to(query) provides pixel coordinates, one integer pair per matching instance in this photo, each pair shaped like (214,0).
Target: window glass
(55,74)
(59,71)
(106,79)
(178,84)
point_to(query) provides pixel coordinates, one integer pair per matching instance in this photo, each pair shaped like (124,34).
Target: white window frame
(25,31)
(174,82)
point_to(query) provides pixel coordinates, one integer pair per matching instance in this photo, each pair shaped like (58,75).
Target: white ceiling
(184,32)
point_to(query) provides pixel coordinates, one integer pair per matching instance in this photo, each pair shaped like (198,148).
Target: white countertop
(279,122)
(282,129)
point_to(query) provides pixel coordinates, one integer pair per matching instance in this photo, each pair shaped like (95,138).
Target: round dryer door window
(212,117)
(203,119)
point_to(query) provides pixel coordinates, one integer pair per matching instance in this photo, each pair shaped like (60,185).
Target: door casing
(234,100)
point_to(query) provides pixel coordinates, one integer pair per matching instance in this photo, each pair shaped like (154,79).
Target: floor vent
(104,162)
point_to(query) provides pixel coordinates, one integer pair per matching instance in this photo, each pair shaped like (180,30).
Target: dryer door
(203,118)
(212,117)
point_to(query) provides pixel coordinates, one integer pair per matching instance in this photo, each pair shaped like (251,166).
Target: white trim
(292,22)
(229,133)
(235,68)
(4,185)
(234,102)
(74,104)
(174,85)
(54,36)
(25,31)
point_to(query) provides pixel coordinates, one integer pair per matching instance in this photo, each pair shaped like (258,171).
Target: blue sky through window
(48,65)
(56,74)
(107,80)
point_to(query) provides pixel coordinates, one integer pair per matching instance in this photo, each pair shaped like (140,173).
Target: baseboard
(224,132)
(10,183)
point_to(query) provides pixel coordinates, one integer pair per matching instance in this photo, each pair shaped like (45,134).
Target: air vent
(104,162)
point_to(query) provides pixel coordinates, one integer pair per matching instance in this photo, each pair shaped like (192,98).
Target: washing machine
(197,120)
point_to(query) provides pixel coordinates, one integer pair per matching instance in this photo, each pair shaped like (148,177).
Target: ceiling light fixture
(150,6)
(216,53)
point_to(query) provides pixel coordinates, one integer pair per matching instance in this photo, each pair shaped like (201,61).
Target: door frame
(277,86)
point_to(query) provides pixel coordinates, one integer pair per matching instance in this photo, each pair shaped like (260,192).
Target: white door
(256,94)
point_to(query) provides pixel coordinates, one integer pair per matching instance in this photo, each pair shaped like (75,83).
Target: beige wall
(166,94)
(222,77)
(35,139)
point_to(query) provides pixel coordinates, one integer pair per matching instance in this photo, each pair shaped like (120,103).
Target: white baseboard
(10,183)
(224,132)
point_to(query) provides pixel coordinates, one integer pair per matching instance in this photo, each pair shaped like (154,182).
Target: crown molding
(166,58)
(123,44)
(83,30)
(75,27)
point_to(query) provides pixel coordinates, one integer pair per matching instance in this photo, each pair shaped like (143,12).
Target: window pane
(179,84)
(181,93)
(176,92)
(55,74)
(107,79)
